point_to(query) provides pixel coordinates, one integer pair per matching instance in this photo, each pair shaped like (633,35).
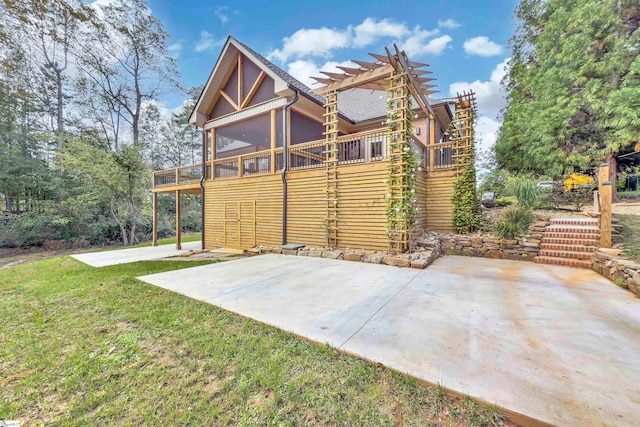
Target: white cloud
(175,49)
(207,42)
(369,31)
(417,45)
(490,94)
(321,42)
(223,13)
(311,42)
(449,23)
(304,69)
(486,132)
(481,46)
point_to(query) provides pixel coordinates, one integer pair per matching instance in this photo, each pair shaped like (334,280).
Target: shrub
(577,198)
(513,222)
(504,201)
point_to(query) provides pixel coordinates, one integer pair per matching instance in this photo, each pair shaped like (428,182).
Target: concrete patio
(555,344)
(146,253)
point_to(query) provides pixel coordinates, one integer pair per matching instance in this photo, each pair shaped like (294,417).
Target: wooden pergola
(400,77)
(376,76)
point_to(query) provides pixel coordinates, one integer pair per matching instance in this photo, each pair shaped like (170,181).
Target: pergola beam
(368,65)
(357,81)
(350,70)
(414,86)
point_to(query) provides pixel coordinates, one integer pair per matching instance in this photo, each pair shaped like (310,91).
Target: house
(362,161)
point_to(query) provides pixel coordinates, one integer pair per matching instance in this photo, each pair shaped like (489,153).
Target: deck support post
(154,228)
(178,221)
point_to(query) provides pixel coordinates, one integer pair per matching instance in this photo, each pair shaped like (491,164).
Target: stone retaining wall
(611,264)
(524,249)
(426,251)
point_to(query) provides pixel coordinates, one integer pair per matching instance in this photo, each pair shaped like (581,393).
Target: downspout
(285,157)
(204,174)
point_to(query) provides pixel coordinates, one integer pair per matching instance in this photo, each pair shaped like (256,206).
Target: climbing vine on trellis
(467,215)
(401,211)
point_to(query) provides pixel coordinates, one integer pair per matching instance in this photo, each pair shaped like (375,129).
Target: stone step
(574,221)
(570,235)
(566,254)
(567,262)
(566,241)
(567,228)
(568,247)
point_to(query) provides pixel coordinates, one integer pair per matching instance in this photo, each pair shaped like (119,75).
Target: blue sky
(465,42)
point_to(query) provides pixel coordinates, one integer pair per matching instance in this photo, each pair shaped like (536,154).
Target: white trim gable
(215,81)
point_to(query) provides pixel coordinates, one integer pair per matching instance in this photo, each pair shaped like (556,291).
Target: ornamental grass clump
(526,191)
(513,222)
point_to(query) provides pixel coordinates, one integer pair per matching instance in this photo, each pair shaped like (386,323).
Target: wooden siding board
(438,198)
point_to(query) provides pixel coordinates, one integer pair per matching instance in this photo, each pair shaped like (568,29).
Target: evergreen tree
(573,85)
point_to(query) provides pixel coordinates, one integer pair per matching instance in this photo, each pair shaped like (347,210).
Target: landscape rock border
(610,263)
(426,250)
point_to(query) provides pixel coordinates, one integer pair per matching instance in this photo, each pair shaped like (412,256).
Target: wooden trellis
(461,131)
(398,124)
(331,164)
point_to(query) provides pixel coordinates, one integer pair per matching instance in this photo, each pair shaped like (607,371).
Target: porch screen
(304,129)
(247,136)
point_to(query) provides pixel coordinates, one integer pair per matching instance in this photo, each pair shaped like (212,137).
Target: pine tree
(573,85)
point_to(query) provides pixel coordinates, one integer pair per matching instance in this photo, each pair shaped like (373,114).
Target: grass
(95,346)
(631,236)
(186,237)
(629,194)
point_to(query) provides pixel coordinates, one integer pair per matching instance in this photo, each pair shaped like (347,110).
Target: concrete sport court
(556,344)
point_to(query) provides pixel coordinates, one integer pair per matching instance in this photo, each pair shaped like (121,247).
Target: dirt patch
(626,208)
(16,256)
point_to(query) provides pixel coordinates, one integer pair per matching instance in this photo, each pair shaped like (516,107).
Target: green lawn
(94,346)
(186,237)
(629,194)
(630,235)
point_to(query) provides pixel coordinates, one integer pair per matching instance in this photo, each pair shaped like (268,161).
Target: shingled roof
(355,105)
(292,81)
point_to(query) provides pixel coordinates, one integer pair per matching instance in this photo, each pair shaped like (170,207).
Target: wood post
(606,193)
(432,140)
(178,221)
(154,230)
(273,141)
(603,175)
(212,144)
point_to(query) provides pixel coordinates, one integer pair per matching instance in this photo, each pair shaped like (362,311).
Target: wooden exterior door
(239,224)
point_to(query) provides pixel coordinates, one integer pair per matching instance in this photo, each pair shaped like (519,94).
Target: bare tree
(127,62)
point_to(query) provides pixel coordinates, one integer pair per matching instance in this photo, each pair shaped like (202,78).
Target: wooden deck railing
(363,147)
(177,176)
(439,156)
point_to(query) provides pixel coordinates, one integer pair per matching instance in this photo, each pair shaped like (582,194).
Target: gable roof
(291,81)
(356,105)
